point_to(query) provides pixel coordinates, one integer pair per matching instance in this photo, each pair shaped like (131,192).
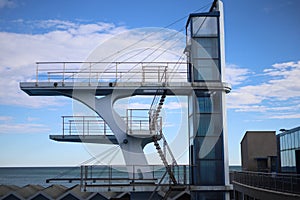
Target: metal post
(70,127)
(184,174)
(127,129)
(63,126)
(90,74)
(166,78)
(83,125)
(37,74)
(88,127)
(140,125)
(64,68)
(85,176)
(109,176)
(81,176)
(143,74)
(133,175)
(130,121)
(158,75)
(116,72)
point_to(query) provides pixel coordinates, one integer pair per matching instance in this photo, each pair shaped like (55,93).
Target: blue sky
(262,57)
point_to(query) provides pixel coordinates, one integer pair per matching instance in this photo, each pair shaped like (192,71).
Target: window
(210,125)
(206,70)
(205,104)
(289,141)
(210,103)
(209,147)
(205,48)
(297,139)
(211,172)
(283,143)
(205,26)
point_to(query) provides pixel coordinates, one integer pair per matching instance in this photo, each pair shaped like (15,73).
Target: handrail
(289,183)
(92,72)
(110,175)
(94,125)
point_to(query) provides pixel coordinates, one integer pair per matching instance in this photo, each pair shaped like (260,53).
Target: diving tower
(98,85)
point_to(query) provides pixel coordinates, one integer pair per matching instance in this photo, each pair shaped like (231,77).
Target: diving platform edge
(137,88)
(95,139)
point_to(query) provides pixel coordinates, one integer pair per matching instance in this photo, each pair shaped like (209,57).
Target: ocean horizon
(22,176)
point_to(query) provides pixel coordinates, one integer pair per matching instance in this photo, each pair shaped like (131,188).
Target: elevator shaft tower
(207,112)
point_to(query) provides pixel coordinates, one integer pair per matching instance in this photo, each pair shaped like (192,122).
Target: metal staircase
(153,116)
(154,113)
(164,160)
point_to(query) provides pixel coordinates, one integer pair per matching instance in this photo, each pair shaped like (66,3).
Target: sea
(22,176)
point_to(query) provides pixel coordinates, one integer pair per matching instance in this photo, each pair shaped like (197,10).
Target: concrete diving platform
(96,139)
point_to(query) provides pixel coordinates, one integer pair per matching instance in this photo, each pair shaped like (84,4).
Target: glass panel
(297,139)
(288,157)
(188,34)
(293,159)
(205,48)
(206,70)
(210,125)
(205,26)
(293,135)
(211,172)
(285,159)
(208,195)
(209,147)
(204,124)
(282,159)
(210,103)
(205,104)
(281,143)
(289,141)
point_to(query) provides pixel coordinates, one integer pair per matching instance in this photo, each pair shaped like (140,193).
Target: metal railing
(84,125)
(139,122)
(123,175)
(94,72)
(289,183)
(94,125)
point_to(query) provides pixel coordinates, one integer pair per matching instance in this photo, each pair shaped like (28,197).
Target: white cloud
(70,41)
(286,116)
(279,90)
(175,105)
(5,118)
(7,4)
(19,52)
(236,75)
(8,125)
(17,128)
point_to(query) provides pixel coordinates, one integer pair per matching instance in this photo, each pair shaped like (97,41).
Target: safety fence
(289,183)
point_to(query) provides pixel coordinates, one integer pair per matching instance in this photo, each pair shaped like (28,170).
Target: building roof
(289,131)
(256,132)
